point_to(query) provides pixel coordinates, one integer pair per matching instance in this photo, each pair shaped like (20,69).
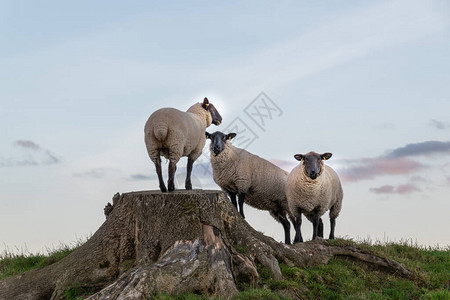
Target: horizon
(367,82)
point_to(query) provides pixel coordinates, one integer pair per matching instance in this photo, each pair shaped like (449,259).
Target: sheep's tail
(160,131)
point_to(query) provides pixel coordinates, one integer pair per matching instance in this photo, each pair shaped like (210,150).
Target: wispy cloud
(138,177)
(13,162)
(29,154)
(372,28)
(97,173)
(400,189)
(439,124)
(424,148)
(418,178)
(27,145)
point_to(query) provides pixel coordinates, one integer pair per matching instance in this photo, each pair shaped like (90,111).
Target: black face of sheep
(218,140)
(312,163)
(215,116)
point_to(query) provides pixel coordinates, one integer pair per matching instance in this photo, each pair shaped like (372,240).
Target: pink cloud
(369,168)
(385,189)
(401,189)
(407,189)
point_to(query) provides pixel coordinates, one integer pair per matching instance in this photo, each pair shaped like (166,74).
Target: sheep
(257,181)
(312,188)
(173,133)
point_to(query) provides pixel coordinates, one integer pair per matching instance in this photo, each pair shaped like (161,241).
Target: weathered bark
(184,241)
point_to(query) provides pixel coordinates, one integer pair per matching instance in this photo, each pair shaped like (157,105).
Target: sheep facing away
(255,180)
(173,133)
(313,188)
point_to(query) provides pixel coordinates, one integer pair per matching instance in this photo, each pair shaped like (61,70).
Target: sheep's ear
(205,103)
(230,136)
(326,156)
(207,135)
(299,157)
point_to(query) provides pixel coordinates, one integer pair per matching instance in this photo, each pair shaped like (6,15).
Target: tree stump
(183,241)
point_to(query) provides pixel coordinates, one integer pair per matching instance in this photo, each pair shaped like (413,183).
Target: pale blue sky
(355,78)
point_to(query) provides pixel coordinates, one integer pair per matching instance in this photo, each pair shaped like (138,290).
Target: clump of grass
(241,249)
(79,291)
(17,263)
(128,264)
(256,294)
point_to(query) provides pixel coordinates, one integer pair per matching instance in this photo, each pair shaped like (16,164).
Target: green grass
(13,263)
(347,279)
(339,279)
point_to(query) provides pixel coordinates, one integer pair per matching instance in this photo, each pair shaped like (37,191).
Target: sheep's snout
(217,150)
(216,117)
(313,175)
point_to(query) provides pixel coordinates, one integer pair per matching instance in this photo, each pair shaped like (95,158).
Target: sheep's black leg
(316,219)
(241,204)
(332,225)
(188,184)
(287,229)
(162,186)
(172,170)
(233,199)
(320,233)
(297,224)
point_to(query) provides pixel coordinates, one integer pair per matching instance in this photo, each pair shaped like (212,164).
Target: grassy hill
(339,279)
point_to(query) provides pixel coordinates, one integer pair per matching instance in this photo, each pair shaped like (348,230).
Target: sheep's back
(183,132)
(267,188)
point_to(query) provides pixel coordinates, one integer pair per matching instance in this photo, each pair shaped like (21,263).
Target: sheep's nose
(313,175)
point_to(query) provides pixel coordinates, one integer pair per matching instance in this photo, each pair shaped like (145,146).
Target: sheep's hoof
(171,185)
(163,189)
(298,240)
(188,186)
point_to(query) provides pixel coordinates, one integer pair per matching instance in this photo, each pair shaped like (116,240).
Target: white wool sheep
(257,181)
(173,133)
(312,189)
